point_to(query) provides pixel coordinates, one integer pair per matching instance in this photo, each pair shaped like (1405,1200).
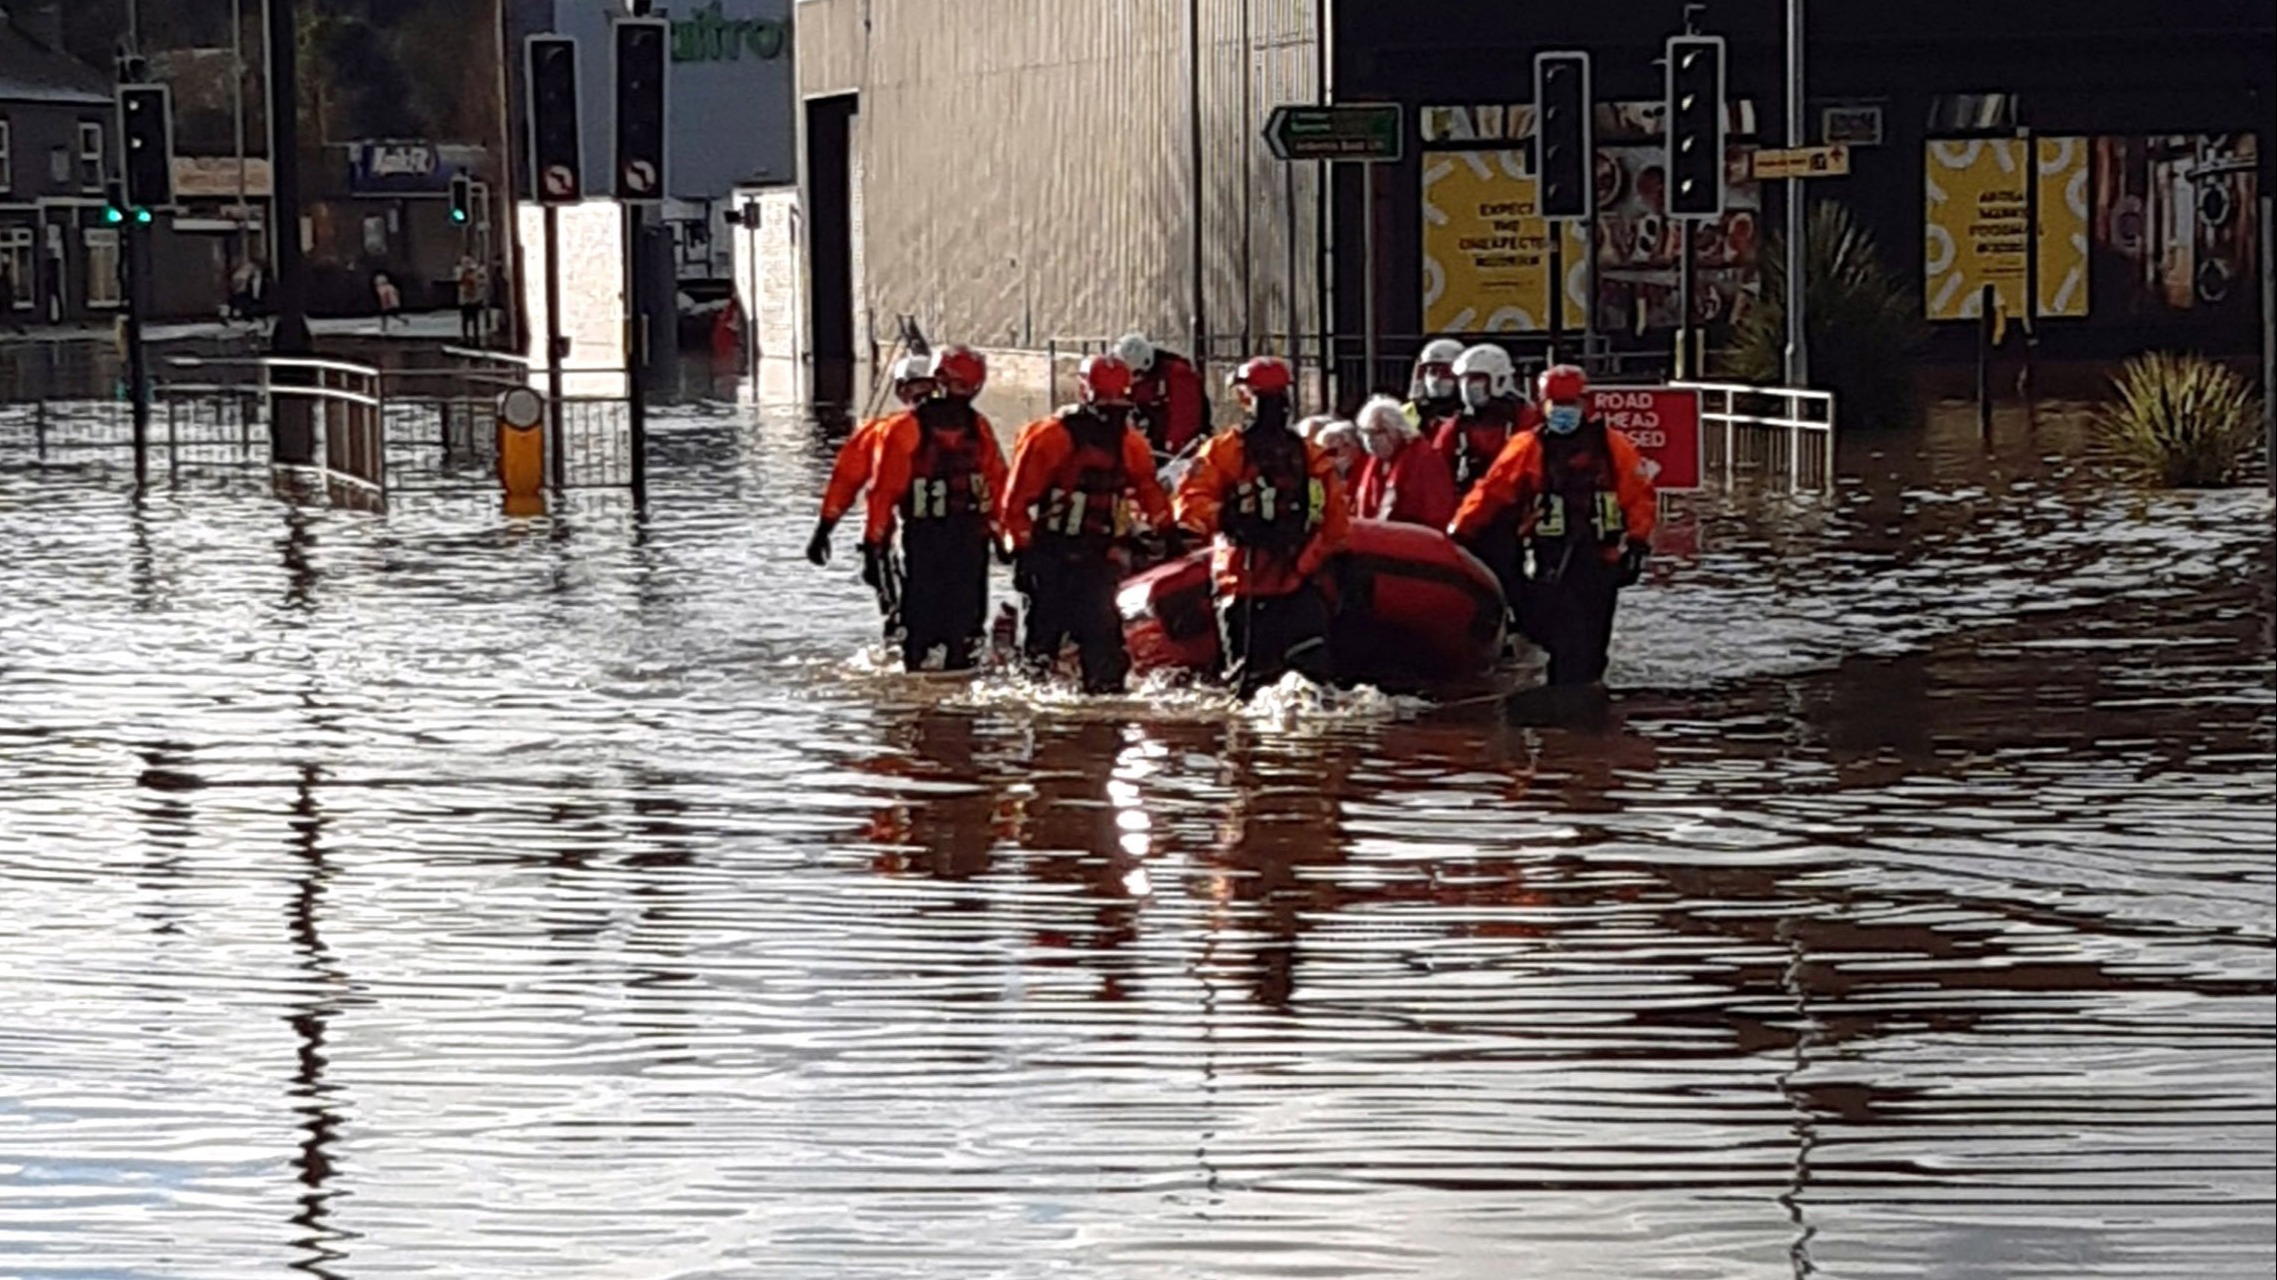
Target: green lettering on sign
(711,36)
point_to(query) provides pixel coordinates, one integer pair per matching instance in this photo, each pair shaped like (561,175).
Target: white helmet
(1134,350)
(909,369)
(1427,386)
(1484,373)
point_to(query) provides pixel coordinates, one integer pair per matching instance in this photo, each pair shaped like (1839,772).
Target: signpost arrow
(1369,132)
(640,176)
(1802,162)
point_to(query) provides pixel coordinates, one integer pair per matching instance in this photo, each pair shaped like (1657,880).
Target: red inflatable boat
(1412,609)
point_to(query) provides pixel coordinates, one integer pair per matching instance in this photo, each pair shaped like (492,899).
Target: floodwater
(437,896)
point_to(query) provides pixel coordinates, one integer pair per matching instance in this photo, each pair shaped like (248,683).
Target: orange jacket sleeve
(992,467)
(1138,464)
(1035,460)
(1335,516)
(1202,492)
(1513,478)
(1640,504)
(856,459)
(890,474)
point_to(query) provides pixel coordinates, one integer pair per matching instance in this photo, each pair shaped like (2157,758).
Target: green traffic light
(458,215)
(113,215)
(142,216)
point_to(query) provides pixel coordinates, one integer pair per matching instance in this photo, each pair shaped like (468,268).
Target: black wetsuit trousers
(1262,638)
(944,594)
(1070,591)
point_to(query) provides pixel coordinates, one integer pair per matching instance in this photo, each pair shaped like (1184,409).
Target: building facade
(59,260)
(1011,173)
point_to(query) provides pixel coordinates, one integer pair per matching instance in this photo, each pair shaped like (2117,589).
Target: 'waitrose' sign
(711,36)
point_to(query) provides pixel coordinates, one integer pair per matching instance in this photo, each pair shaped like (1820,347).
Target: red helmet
(1563,384)
(1264,376)
(959,370)
(1104,380)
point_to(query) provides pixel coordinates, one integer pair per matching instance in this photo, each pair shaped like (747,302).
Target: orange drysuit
(857,458)
(1074,474)
(933,476)
(1273,531)
(1591,485)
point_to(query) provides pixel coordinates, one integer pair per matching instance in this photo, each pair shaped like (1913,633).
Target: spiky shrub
(2182,421)
(1864,327)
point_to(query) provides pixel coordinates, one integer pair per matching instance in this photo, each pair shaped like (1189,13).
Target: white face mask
(1383,445)
(1438,386)
(1478,393)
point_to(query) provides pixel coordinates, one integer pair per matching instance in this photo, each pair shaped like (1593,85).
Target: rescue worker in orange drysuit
(850,474)
(1486,384)
(1278,511)
(938,473)
(1585,512)
(1064,510)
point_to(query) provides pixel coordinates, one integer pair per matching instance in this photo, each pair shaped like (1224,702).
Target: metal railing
(350,433)
(1773,432)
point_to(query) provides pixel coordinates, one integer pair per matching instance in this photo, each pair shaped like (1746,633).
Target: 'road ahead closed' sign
(1663,423)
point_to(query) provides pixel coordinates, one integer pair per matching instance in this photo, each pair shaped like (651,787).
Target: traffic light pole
(557,446)
(1684,367)
(636,354)
(1557,288)
(134,268)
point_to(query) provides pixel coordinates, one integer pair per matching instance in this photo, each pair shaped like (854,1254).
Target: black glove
(1023,576)
(1176,542)
(818,546)
(1005,554)
(873,565)
(1632,561)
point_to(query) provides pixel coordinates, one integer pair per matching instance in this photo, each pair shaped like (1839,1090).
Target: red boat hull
(1411,608)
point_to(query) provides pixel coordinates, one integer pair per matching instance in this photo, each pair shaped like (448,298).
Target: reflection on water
(433,894)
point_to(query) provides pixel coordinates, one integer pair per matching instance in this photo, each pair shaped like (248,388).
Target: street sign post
(1364,133)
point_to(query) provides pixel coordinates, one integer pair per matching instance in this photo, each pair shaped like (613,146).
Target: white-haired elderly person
(1404,478)
(1340,440)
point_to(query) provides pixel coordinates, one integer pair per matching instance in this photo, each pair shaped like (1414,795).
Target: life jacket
(946,481)
(1580,501)
(1479,438)
(1277,504)
(1085,500)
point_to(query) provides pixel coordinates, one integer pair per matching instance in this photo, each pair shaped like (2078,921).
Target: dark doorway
(830,246)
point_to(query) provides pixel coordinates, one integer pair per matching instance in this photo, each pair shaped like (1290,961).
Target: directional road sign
(1803,162)
(1369,132)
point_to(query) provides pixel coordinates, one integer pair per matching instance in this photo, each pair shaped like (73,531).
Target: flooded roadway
(425,896)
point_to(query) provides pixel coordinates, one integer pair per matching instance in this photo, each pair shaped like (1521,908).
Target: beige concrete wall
(1025,163)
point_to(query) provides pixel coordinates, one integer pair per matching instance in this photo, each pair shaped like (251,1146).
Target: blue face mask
(1563,419)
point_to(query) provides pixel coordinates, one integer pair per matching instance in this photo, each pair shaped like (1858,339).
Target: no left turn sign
(561,182)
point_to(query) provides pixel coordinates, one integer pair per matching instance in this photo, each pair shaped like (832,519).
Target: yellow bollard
(522,451)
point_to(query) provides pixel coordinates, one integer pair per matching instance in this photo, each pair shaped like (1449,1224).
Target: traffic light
(1564,150)
(114,204)
(555,147)
(146,124)
(462,199)
(1696,126)
(640,108)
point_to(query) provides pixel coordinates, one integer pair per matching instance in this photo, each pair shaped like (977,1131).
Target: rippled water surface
(432,895)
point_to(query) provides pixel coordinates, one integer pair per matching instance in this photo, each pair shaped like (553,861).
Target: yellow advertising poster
(2064,177)
(1976,207)
(1486,251)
